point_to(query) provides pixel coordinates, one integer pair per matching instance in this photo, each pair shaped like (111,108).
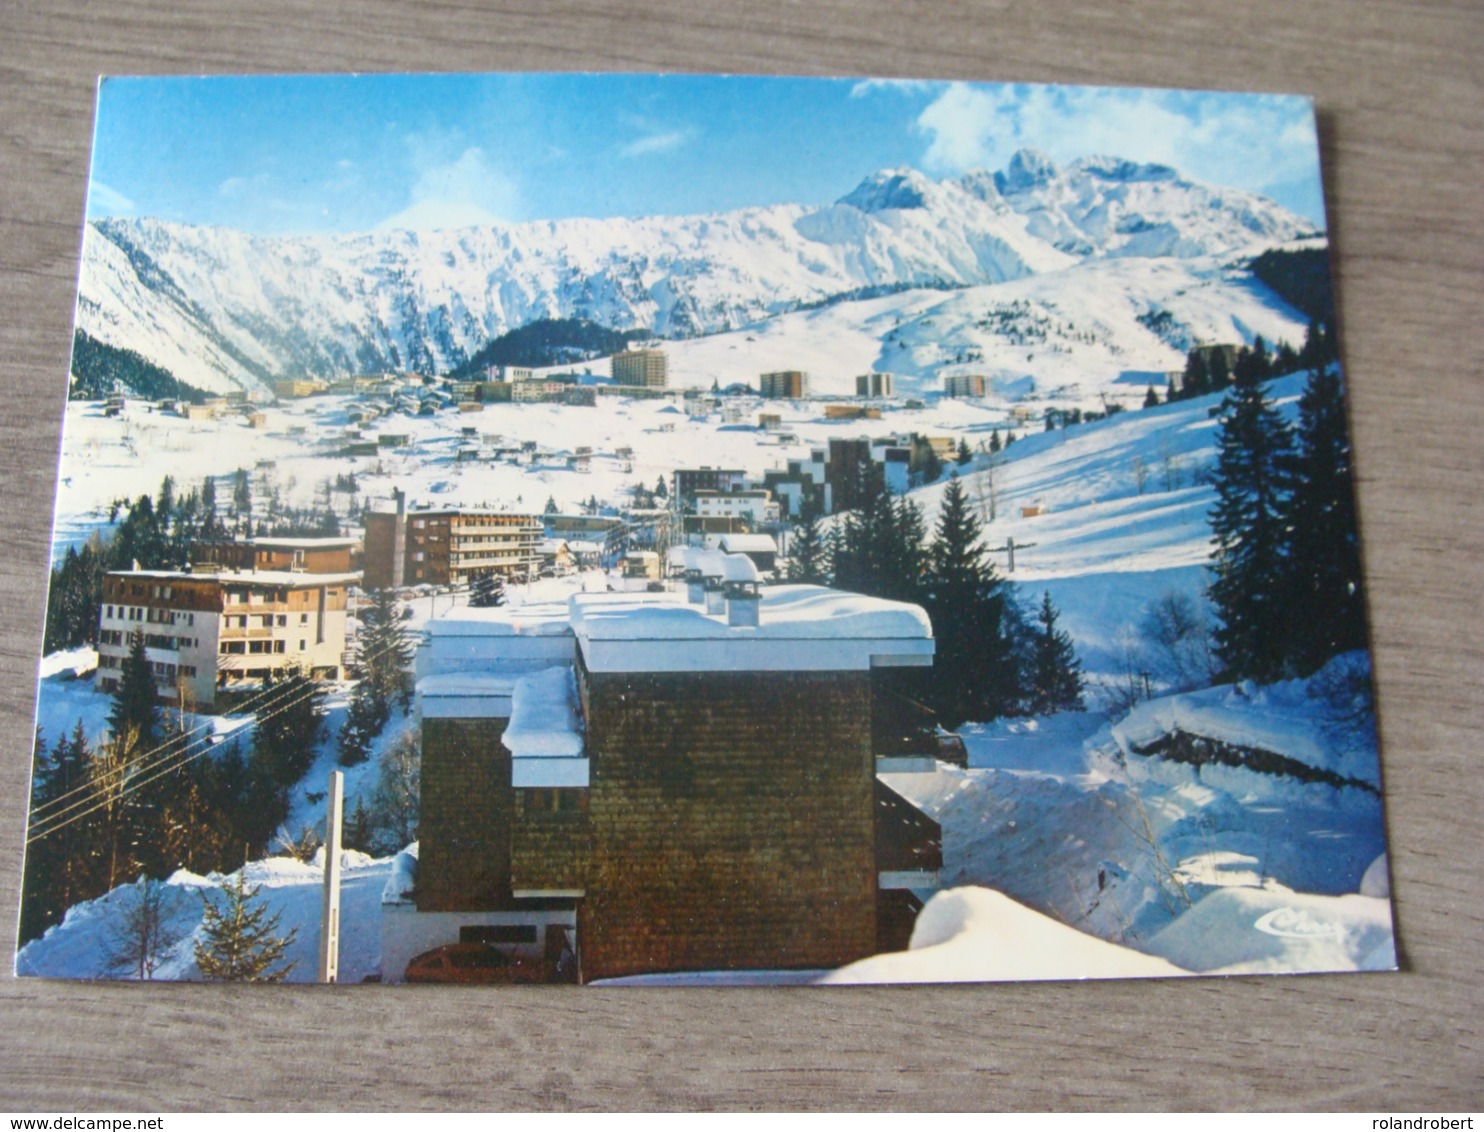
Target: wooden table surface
(1398,88)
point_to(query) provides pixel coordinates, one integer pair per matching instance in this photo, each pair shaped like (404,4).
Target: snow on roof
(742,544)
(302,543)
(539,619)
(543,716)
(738,568)
(788,612)
(243,577)
(801,628)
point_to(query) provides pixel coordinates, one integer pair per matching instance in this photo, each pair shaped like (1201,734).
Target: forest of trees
(990,660)
(101,371)
(550,342)
(1287,586)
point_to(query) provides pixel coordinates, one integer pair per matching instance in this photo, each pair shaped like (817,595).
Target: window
(236,647)
(282,620)
(302,646)
(551,800)
(278,646)
(303,619)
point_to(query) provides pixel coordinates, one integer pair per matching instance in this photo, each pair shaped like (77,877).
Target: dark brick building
(675,790)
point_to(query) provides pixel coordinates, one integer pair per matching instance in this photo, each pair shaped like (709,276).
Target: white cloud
(106,200)
(1247,141)
(900,86)
(657,142)
(466,191)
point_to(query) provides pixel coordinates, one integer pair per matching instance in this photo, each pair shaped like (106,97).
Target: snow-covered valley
(1212,867)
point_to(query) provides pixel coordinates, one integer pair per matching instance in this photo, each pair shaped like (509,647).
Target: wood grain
(1398,88)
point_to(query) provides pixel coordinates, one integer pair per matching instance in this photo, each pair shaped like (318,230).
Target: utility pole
(1011,546)
(329,930)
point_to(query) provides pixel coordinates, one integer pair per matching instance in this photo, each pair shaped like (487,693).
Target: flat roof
(800,628)
(296,578)
(540,619)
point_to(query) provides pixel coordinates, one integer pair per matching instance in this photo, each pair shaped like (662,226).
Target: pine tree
(1249,528)
(241,944)
(660,490)
(1196,380)
(1151,398)
(385,654)
(880,552)
(551,505)
(241,494)
(136,705)
(290,724)
(358,833)
(1056,676)
(1326,595)
(808,560)
(975,672)
(964,454)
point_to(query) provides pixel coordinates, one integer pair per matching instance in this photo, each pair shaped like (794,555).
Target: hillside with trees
(550,342)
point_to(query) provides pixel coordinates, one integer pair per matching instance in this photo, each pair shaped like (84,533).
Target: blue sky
(341,153)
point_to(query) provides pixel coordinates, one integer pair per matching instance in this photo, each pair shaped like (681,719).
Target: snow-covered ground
(1216,868)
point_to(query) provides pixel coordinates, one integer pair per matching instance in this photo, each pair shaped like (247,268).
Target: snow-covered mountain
(220,308)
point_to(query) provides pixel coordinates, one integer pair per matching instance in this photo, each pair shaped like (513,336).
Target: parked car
(472,963)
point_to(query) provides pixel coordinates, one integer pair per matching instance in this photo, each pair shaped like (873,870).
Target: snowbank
(1245,931)
(979,935)
(1292,719)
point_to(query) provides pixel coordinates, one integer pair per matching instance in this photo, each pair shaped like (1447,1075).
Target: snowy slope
(221,308)
(1076,332)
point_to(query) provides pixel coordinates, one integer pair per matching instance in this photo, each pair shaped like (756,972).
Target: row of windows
(149,615)
(260,620)
(243,648)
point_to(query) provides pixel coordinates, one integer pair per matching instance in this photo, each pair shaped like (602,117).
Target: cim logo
(1295,923)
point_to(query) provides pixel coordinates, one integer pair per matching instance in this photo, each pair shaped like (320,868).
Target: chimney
(695,593)
(713,582)
(743,599)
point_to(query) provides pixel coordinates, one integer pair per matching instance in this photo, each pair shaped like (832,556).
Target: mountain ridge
(222,309)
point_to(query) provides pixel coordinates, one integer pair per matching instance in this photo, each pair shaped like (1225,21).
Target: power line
(159,768)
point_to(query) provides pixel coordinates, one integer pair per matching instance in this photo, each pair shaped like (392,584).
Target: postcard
(660,529)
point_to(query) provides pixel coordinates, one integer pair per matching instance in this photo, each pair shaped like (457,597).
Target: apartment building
(789,383)
(449,547)
(208,630)
(647,367)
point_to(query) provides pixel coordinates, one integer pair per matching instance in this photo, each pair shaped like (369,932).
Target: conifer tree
(1055,678)
(357,832)
(385,654)
(241,944)
(290,725)
(964,455)
(136,705)
(1250,535)
(1151,398)
(808,560)
(1326,596)
(976,672)
(1196,380)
